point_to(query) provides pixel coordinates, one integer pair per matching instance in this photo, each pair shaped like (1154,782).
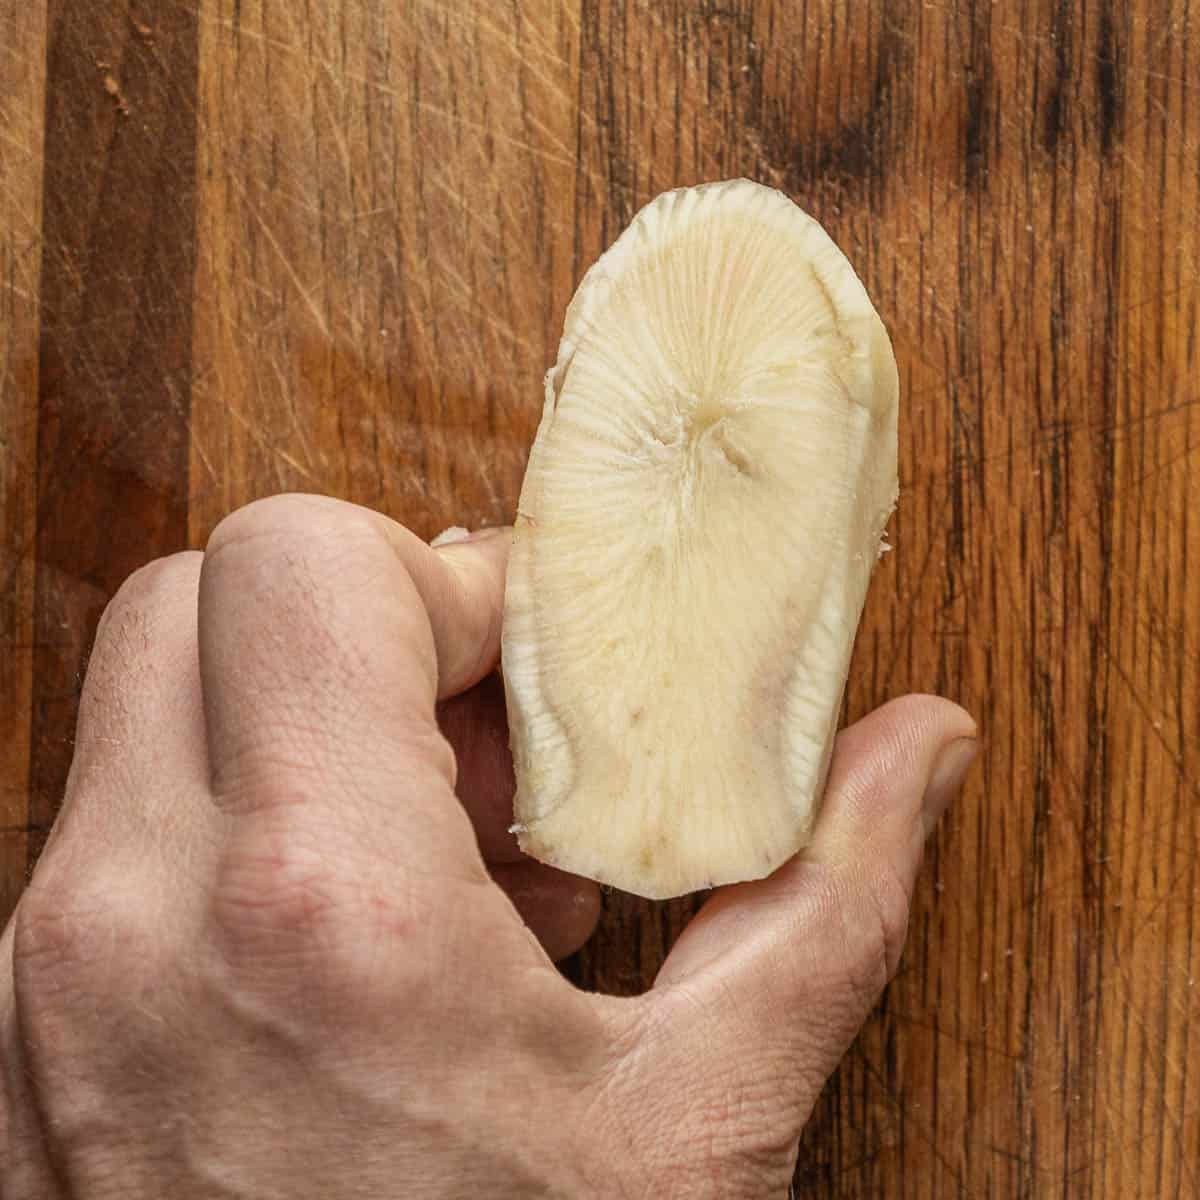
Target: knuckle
(73,936)
(146,635)
(144,592)
(314,520)
(276,893)
(867,907)
(891,901)
(307,557)
(168,574)
(90,971)
(291,902)
(44,940)
(268,515)
(879,936)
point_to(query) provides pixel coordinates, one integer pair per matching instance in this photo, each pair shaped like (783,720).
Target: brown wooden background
(248,246)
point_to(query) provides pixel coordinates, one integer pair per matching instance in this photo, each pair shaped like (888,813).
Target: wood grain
(329,248)
(387,246)
(115,363)
(22,104)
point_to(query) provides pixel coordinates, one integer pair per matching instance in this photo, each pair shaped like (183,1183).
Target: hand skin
(265,954)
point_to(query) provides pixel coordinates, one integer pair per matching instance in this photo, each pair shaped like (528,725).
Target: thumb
(892,775)
(782,972)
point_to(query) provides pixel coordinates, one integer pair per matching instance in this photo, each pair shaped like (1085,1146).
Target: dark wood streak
(852,156)
(1058,102)
(979,99)
(1110,76)
(115,352)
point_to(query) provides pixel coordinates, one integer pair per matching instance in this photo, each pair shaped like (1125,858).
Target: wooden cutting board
(248,247)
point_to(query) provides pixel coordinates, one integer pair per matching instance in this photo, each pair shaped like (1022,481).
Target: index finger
(327,633)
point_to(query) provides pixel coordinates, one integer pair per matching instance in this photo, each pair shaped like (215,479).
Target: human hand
(262,954)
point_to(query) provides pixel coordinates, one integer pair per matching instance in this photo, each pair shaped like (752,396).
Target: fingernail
(948,773)
(456,533)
